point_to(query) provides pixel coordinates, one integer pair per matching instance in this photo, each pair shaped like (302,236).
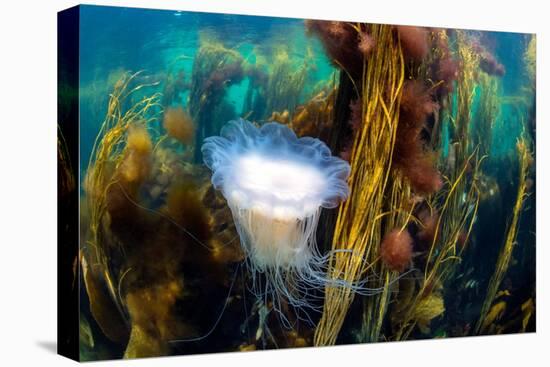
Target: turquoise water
(163,43)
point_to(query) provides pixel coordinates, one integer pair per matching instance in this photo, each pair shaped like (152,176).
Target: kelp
(487,112)
(397,216)
(313,118)
(428,308)
(358,225)
(416,122)
(505,255)
(107,155)
(456,205)
(142,200)
(215,67)
(285,83)
(530,60)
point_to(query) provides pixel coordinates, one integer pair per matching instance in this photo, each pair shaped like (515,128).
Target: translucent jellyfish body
(276,185)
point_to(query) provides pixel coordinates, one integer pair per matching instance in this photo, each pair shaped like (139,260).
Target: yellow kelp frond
(154,319)
(528,309)
(494,315)
(428,309)
(505,255)
(530,59)
(315,117)
(285,83)
(115,145)
(179,125)
(109,147)
(358,226)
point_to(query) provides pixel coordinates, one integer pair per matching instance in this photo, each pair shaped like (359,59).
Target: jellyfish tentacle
(276,185)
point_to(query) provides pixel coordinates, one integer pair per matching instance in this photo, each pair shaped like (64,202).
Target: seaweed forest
(432,231)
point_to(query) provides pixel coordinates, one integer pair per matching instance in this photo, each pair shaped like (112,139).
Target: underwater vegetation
(214,69)
(361,183)
(142,201)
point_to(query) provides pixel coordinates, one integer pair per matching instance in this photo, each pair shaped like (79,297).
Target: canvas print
(232,183)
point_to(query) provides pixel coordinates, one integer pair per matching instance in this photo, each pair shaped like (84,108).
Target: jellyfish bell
(276,185)
(277,201)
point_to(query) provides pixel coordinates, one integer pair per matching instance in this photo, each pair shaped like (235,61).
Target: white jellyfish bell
(276,185)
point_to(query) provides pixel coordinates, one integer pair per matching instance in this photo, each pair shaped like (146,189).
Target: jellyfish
(276,185)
